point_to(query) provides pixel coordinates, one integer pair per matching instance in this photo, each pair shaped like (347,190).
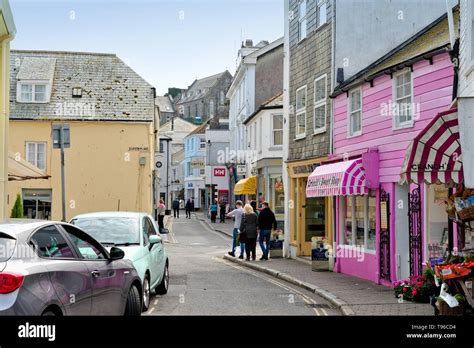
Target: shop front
(246,189)
(354,185)
(270,186)
(309,216)
(195,188)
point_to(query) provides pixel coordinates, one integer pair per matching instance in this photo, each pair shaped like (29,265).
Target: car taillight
(9,282)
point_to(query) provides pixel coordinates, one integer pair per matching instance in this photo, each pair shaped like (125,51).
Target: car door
(69,276)
(155,252)
(109,278)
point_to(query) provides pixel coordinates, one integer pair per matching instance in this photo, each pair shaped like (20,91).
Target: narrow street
(202,282)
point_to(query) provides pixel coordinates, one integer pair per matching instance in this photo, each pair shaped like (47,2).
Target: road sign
(241,169)
(66,136)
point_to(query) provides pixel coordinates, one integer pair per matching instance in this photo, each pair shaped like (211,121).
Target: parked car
(137,234)
(53,268)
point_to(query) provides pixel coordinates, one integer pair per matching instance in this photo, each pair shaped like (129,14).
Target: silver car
(53,268)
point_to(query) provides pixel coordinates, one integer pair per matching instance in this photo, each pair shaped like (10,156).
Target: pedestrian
(189,208)
(248,229)
(237,215)
(222,210)
(176,208)
(161,214)
(266,222)
(213,210)
(253,204)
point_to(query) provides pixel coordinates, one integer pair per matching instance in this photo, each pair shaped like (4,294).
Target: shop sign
(197,163)
(219,171)
(324,181)
(304,169)
(241,169)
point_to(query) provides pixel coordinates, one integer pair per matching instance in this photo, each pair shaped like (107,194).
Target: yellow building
(7,32)
(110,111)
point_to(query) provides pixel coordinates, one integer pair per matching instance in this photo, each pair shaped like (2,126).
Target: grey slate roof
(111,90)
(164,104)
(200,87)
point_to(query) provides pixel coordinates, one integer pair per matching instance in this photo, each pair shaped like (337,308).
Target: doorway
(37,203)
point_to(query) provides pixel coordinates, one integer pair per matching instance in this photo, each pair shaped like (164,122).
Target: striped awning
(338,179)
(247,186)
(434,156)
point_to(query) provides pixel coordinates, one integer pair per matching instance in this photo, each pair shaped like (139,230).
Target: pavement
(203,283)
(351,295)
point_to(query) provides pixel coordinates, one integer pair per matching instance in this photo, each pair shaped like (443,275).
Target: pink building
(385,229)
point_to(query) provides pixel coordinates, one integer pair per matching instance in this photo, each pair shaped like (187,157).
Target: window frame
(320,103)
(87,238)
(33,84)
(277,130)
(36,143)
(396,125)
(201,142)
(302,19)
(350,133)
(319,5)
(74,251)
(301,111)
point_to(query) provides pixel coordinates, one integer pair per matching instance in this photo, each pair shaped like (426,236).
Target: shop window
(437,220)
(359,219)
(277,195)
(301,112)
(37,203)
(315,218)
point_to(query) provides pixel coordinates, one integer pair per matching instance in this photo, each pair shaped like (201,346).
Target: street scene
(296,158)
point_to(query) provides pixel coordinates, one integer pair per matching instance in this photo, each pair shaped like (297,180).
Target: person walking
(161,214)
(248,229)
(237,215)
(176,208)
(266,221)
(213,210)
(189,207)
(222,211)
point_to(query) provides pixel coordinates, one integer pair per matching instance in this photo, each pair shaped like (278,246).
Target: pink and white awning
(434,156)
(338,179)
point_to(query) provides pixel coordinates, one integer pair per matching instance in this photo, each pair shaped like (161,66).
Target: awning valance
(247,186)
(434,156)
(338,179)
(19,169)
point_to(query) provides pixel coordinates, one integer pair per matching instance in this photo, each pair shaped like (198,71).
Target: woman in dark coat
(248,230)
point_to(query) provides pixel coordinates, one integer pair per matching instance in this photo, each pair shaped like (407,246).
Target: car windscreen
(7,246)
(111,230)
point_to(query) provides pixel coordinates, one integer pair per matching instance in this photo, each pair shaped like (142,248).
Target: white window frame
(33,84)
(35,161)
(350,133)
(302,20)
(342,224)
(322,5)
(273,130)
(408,124)
(320,103)
(259,138)
(201,143)
(301,111)
(202,171)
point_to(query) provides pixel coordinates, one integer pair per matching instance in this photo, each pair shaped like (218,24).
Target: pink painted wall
(432,89)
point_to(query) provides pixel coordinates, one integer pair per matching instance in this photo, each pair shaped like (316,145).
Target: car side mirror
(154,239)
(116,254)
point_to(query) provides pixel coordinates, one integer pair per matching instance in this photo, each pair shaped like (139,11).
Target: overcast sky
(168,42)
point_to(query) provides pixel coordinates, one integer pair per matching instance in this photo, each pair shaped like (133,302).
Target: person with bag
(266,221)
(237,215)
(161,214)
(248,231)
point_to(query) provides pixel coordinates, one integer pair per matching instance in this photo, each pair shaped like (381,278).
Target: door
(69,276)
(315,221)
(401,235)
(155,252)
(384,232)
(108,277)
(414,231)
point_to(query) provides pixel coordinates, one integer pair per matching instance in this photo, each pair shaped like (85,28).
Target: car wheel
(134,303)
(163,287)
(146,294)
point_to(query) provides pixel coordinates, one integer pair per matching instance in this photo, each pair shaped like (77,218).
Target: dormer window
(77,92)
(29,92)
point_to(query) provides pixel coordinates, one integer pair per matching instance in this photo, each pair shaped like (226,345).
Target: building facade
(205,98)
(195,166)
(57,88)
(309,116)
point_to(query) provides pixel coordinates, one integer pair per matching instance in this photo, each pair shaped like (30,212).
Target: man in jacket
(176,208)
(237,215)
(189,208)
(266,222)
